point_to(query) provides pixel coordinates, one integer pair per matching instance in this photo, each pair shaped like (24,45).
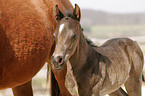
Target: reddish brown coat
(25,38)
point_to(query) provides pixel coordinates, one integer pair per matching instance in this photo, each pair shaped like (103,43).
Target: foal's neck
(82,55)
(79,59)
(84,62)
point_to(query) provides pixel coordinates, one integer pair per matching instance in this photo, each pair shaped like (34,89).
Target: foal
(97,70)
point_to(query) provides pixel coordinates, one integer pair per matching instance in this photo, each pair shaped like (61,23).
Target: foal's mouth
(58,67)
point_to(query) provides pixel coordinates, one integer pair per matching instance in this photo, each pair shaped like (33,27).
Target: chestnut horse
(26,43)
(97,70)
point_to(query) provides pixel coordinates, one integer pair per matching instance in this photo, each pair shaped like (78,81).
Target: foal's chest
(70,81)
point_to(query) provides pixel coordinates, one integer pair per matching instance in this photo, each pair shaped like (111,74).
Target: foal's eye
(74,36)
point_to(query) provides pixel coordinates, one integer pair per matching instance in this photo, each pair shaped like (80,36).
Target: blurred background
(106,19)
(102,20)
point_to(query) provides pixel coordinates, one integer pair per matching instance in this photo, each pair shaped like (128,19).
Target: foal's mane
(69,14)
(90,43)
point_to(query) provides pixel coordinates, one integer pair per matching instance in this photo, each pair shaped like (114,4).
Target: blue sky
(114,6)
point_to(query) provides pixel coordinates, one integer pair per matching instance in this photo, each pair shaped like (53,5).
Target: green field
(111,31)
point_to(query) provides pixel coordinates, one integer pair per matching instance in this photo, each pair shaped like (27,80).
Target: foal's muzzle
(57,62)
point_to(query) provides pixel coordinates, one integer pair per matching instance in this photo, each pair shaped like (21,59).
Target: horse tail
(143,78)
(54,88)
(55,91)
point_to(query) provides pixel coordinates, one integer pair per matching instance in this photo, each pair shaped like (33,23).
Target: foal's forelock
(69,23)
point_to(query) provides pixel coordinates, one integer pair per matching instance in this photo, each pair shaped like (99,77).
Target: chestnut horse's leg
(119,92)
(23,90)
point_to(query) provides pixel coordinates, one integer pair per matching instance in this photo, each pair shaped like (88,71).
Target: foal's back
(124,66)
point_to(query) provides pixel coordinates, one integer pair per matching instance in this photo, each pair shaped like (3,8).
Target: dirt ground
(8,92)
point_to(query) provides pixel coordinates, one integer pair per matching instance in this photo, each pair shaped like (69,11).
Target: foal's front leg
(23,90)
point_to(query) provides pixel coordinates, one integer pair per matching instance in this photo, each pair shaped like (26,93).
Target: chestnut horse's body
(26,41)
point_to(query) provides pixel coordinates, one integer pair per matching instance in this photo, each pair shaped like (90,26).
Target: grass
(110,31)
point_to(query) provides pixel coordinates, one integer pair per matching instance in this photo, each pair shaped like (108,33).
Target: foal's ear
(77,12)
(58,14)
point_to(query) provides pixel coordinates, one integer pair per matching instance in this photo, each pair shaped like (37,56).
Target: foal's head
(67,34)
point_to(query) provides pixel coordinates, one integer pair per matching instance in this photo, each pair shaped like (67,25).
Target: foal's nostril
(57,62)
(60,60)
